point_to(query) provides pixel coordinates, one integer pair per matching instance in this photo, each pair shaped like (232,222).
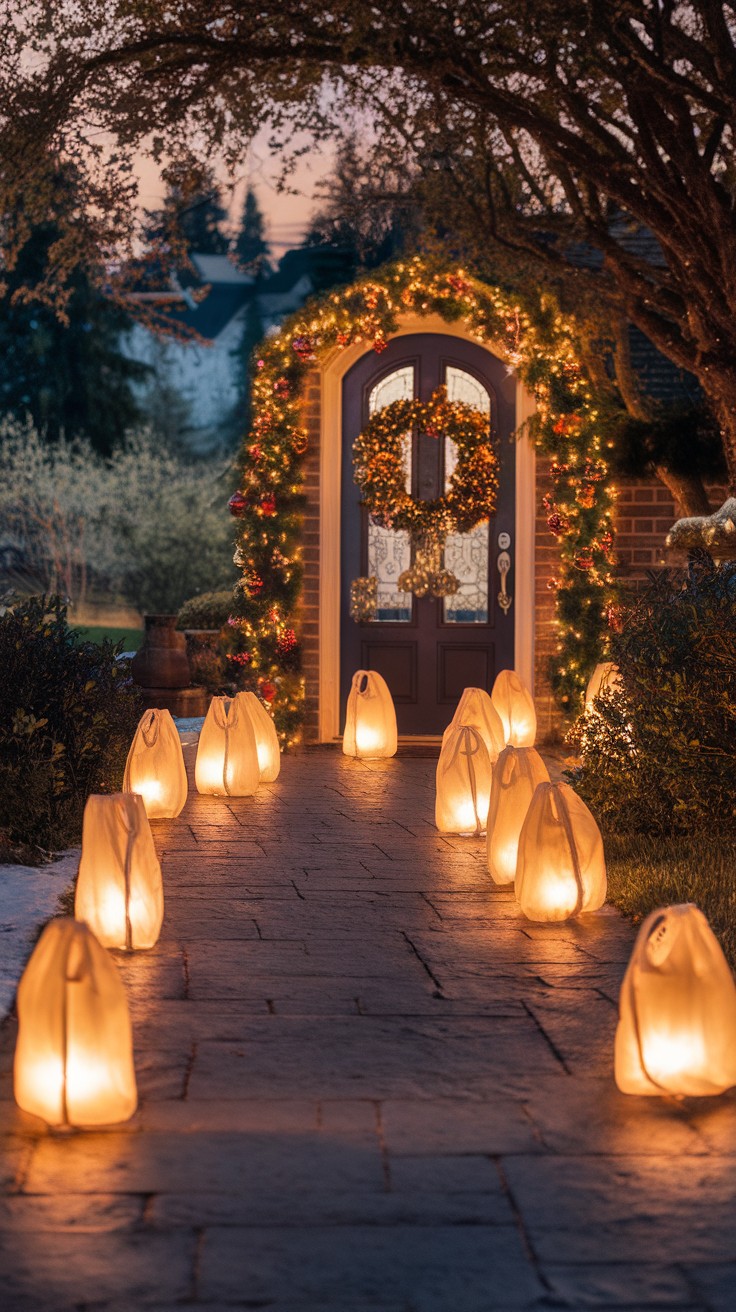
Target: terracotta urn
(162,661)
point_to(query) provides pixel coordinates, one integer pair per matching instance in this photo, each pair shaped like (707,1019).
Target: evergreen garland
(538,342)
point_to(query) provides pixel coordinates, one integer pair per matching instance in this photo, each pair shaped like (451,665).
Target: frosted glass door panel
(466,554)
(389,550)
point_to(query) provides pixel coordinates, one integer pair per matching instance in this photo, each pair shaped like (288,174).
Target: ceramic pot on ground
(162,661)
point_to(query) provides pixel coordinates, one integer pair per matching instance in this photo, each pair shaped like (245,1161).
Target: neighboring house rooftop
(221,270)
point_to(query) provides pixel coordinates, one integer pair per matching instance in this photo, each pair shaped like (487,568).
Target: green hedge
(209,610)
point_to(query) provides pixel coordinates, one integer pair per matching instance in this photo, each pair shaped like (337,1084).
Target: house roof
(220,270)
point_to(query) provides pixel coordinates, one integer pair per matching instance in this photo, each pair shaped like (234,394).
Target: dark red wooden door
(428,649)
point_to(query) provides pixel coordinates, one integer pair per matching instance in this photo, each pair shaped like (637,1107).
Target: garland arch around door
(538,343)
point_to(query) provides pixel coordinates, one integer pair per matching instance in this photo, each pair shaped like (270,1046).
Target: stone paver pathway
(367,1083)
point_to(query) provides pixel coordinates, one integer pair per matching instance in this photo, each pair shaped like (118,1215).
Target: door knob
(504,565)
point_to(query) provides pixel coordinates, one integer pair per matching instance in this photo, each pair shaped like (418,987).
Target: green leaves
(660,756)
(66,721)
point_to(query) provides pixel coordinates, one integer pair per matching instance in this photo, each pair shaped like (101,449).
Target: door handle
(503,565)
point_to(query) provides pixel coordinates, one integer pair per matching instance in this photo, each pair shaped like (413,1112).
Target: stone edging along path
(366,1083)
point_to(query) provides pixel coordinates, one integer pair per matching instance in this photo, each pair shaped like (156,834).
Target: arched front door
(427,649)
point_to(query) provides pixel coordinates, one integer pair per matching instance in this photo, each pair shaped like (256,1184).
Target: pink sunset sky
(287,215)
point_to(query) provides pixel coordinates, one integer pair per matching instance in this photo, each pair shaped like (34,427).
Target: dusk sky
(287,216)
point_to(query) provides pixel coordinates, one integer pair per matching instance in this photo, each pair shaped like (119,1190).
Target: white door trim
(332,371)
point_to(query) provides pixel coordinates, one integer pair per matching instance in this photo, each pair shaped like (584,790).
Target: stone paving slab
(366,1084)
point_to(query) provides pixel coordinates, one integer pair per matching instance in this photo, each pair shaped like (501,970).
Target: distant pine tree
(71,378)
(250,247)
(190,221)
(201,222)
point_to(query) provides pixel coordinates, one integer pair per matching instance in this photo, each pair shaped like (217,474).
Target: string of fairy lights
(538,343)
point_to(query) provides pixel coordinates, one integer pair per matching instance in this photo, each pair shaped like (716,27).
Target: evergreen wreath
(379,460)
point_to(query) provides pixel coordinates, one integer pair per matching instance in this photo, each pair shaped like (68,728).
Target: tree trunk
(687,489)
(722,398)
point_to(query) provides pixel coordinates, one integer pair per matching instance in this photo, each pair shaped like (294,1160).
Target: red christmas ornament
(237,505)
(303,348)
(343,340)
(268,690)
(379,343)
(268,506)
(281,387)
(286,643)
(558,524)
(458,284)
(567,424)
(584,560)
(255,453)
(240,658)
(299,441)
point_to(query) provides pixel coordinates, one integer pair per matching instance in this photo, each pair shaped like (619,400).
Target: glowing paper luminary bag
(155,766)
(561,869)
(267,739)
(476,709)
(119,889)
(516,774)
(463,782)
(74,1055)
(677,1009)
(370,719)
(604,676)
(227,756)
(515,705)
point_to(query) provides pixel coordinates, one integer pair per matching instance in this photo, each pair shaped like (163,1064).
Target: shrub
(659,755)
(146,524)
(210,610)
(68,712)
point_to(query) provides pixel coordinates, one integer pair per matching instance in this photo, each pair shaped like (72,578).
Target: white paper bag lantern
(370,719)
(463,782)
(516,774)
(476,709)
(119,889)
(74,1055)
(561,869)
(227,756)
(155,766)
(677,1009)
(267,739)
(605,675)
(515,705)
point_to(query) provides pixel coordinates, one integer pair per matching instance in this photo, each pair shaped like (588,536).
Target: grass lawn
(644,873)
(131,638)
